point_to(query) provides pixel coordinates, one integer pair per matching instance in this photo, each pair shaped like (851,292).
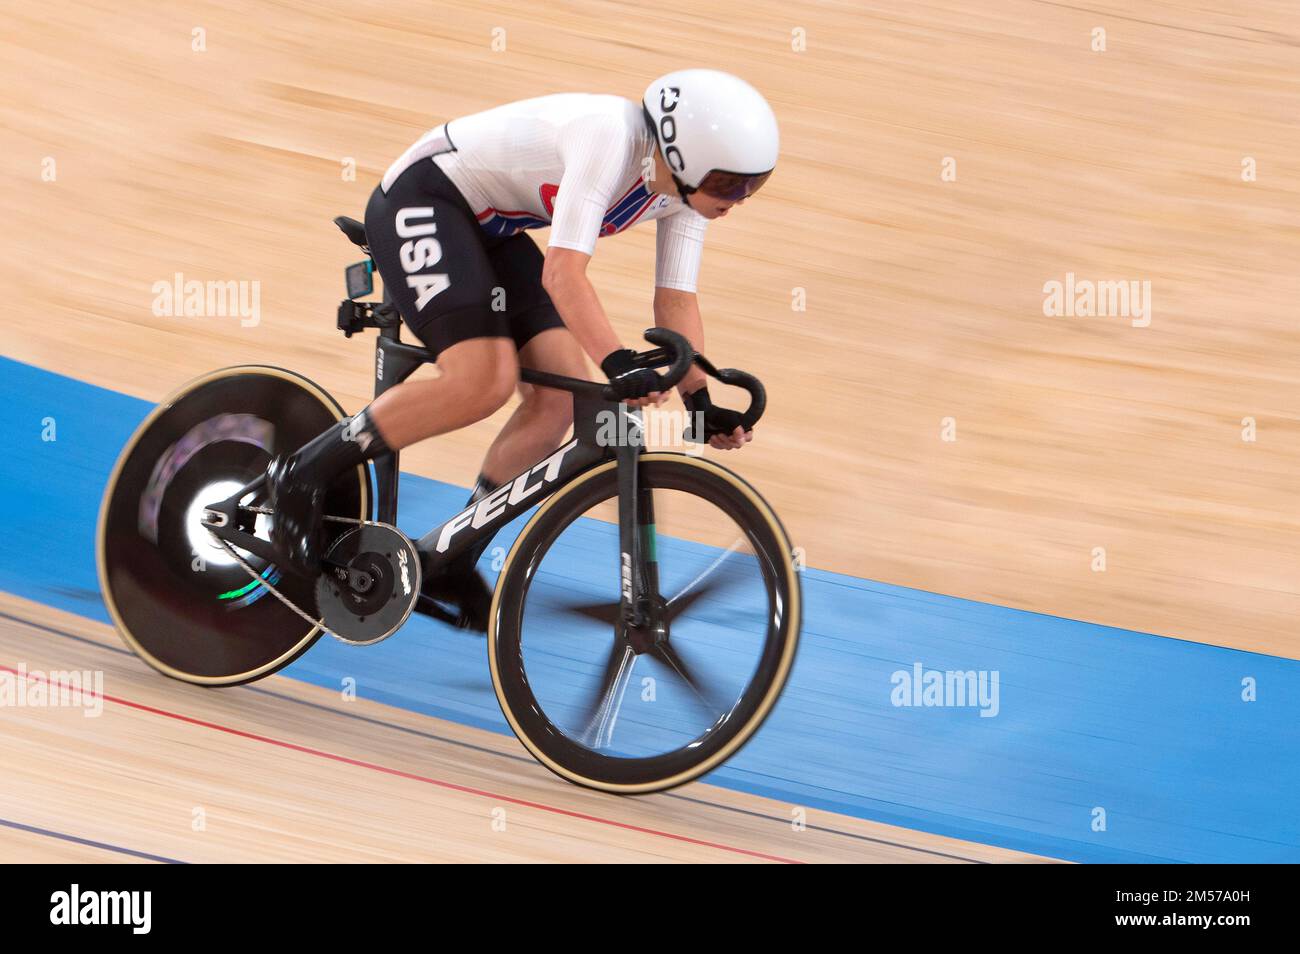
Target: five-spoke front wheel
(634,709)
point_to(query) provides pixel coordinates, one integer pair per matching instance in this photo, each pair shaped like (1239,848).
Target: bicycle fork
(641,607)
(640,625)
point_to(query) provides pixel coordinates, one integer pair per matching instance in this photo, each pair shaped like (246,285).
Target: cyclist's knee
(549,413)
(554,408)
(482,373)
(557,351)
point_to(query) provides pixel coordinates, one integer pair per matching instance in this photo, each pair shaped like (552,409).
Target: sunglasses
(731,186)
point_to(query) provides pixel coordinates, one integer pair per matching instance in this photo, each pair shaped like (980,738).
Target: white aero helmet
(716,132)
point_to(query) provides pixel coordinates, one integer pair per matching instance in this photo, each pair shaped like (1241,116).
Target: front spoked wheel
(615,710)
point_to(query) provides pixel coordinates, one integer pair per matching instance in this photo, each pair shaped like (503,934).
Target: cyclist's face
(710,206)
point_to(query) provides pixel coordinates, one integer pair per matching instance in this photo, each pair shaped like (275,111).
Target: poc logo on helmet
(726,126)
(669,97)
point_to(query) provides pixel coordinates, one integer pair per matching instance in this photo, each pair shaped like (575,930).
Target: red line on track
(440,783)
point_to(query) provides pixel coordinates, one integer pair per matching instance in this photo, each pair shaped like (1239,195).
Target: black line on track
(75,839)
(371,720)
(1274,38)
(832,831)
(121,650)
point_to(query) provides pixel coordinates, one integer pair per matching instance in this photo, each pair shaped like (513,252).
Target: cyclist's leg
(537,426)
(426,245)
(477,377)
(544,415)
(540,421)
(430,253)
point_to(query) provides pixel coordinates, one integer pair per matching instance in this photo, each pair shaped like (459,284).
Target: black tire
(201,620)
(546,739)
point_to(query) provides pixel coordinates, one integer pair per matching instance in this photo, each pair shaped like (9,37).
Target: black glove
(627,380)
(717,420)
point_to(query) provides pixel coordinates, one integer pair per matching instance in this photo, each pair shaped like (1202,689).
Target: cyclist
(446,228)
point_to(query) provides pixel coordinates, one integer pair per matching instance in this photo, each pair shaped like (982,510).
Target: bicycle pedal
(373,585)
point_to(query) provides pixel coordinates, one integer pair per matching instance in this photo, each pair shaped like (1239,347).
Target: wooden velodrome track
(924,302)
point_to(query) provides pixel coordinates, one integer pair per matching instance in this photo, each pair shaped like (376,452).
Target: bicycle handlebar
(757,394)
(676,354)
(740,379)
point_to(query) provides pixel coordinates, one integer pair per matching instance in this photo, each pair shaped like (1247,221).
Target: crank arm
(356,580)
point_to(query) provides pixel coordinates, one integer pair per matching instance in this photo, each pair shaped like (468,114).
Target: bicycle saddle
(354,230)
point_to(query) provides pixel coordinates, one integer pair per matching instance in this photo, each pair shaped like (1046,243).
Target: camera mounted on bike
(357,316)
(359,277)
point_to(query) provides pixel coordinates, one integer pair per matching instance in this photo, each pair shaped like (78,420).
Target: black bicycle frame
(395,361)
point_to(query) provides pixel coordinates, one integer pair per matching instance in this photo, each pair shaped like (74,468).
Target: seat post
(387,466)
(395,361)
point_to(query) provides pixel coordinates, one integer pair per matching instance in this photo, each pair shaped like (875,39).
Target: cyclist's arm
(679,243)
(679,246)
(679,311)
(596,150)
(564,276)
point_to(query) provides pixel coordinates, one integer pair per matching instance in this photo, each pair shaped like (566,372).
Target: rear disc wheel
(180,601)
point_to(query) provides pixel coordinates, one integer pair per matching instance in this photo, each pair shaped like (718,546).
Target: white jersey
(574,161)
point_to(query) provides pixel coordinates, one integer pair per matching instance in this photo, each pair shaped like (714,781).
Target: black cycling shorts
(449,280)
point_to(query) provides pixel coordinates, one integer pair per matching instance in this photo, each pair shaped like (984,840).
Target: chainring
(390,560)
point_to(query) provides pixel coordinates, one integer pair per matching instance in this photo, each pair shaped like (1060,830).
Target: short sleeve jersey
(573,161)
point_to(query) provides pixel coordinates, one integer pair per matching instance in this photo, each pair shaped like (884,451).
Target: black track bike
(644,621)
